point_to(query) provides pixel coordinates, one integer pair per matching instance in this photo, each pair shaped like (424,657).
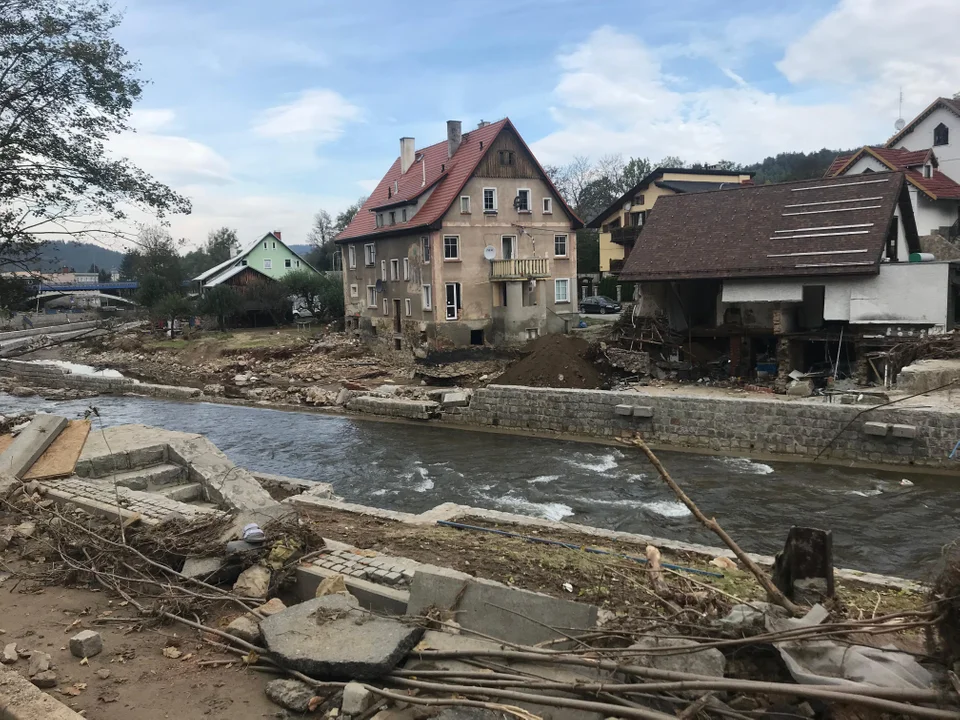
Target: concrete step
(151,478)
(183,493)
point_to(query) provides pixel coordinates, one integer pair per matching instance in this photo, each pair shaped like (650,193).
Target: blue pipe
(953,455)
(571,546)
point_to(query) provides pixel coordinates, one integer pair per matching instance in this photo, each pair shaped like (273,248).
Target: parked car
(599,304)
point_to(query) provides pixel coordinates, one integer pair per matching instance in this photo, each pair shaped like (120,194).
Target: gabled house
(927,151)
(463,242)
(620,223)
(794,272)
(267,258)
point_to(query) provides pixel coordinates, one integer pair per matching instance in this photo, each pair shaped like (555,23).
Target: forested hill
(76,255)
(793,166)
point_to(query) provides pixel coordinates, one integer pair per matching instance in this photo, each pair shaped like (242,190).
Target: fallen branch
(711,524)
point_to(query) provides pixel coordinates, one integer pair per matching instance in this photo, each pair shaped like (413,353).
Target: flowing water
(878,523)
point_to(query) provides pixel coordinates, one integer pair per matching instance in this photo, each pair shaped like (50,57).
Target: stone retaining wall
(52,376)
(894,436)
(395,407)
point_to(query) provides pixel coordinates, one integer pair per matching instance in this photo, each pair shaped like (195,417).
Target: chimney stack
(453,137)
(407,154)
(276,234)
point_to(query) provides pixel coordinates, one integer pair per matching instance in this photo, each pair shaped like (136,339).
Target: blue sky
(263,113)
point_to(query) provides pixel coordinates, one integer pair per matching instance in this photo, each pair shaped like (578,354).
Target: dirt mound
(558,361)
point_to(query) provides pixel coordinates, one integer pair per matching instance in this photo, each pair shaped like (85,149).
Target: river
(879,524)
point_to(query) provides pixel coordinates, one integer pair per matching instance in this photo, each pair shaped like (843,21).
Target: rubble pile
(559,361)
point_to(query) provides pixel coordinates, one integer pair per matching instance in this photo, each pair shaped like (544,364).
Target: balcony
(626,236)
(520,269)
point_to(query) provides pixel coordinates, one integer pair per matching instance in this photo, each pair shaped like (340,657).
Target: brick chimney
(453,136)
(407,153)
(277,234)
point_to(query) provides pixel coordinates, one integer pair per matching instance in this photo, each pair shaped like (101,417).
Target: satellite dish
(379,286)
(489,252)
(900,124)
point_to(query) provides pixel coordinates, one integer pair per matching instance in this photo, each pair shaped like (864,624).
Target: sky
(263,113)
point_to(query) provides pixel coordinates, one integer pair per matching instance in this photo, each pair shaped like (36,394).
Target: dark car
(599,304)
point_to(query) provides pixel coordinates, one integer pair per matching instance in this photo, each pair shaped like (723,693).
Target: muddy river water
(879,523)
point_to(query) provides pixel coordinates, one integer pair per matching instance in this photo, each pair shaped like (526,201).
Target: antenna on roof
(900,123)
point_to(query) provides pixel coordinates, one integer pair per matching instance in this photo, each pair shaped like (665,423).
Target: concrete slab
(497,610)
(370,595)
(643,411)
(623,410)
(904,431)
(21,700)
(30,444)
(331,637)
(876,428)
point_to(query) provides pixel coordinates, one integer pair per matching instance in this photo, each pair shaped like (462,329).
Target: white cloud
(319,115)
(151,120)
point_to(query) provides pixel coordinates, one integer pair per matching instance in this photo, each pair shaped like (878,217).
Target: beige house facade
(484,255)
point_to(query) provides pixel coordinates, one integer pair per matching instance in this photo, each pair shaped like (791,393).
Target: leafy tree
(66,89)
(171,307)
(222,302)
(267,296)
(634,171)
(220,245)
(346,216)
(103,276)
(14,293)
(155,264)
(322,293)
(672,161)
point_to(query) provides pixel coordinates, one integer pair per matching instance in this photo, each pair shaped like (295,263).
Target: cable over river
(879,524)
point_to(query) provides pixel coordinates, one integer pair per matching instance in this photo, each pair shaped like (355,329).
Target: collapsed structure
(809,276)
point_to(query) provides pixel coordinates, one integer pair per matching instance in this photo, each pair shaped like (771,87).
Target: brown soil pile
(558,361)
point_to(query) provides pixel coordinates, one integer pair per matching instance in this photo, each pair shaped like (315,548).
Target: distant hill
(76,255)
(789,166)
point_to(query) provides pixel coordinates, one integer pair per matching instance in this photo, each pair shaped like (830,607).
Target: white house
(927,151)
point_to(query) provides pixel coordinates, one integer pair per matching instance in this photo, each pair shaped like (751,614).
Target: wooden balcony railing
(520,269)
(626,236)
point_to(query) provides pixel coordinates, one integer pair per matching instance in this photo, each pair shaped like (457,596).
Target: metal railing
(520,268)
(627,235)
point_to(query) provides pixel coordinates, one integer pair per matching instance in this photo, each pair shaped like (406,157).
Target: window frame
(425,248)
(566,245)
(945,136)
(407,307)
(383,270)
(393,217)
(529,199)
(457,300)
(506,158)
(492,210)
(268,263)
(379,220)
(351,257)
(455,258)
(287,263)
(427,297)
(465,208)
(546,207)
(265,245)
(355,290)
(556,286)
(394,269)
(406,268)
(370,255)
(371,293)
(513,247)
(403,215)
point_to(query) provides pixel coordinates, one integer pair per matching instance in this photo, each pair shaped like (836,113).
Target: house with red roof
(927,151)
(463,242)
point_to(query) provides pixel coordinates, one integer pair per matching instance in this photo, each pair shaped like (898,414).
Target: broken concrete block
(39,662)
(904,431)
(10,654)
(344,396)
(485,606)
(709,661)
(86,644)
(801,388)
(271,607)
(356,699)
(254,582)
(25,530)
(625,410)
(331,637)
(246,628)
(30,444)
(876,428)
(643,411)
(455,399)
(291,695)
(201,568)
(45,679)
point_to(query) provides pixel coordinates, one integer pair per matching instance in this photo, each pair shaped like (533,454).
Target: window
(287,262)
(386,306)
(394,269)
(893,237)
(548,206)
(379,219)
(407,307)
(508,246)
(451,247)
(370,255)
(428,297)
(298,263)
(941,135)
(506,157)
(354,290)
(267,264)
(393,217)
(264,244)
(561,290)
(560,245)
(243,262)
(465,204)
(371,296)
(383,270)
(406,268)
(403,215)
(523,200)
(639,199)
(928,170)
(453,300)
(274,245)
(490,200)
(351,256)
(425,249)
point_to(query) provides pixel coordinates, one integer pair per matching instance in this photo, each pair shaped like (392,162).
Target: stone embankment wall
(51,376)
(798,428)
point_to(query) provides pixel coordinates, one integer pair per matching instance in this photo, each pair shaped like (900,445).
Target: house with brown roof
(620,223)
(800,275)
(463,242)
(927,151)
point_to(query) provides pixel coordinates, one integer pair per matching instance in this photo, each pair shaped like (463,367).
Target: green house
(268,257)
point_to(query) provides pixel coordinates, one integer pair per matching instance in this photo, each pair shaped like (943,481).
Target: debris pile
(559,361)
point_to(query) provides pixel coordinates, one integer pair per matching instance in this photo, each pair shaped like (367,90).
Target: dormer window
(379,219)
(393,217)
(941,135)
(928,170)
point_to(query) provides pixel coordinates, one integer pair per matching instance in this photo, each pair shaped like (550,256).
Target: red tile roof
(432,169)
(939,186)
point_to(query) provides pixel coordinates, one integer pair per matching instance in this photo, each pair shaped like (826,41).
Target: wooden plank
(60,459)
(30,444)
(5,442)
